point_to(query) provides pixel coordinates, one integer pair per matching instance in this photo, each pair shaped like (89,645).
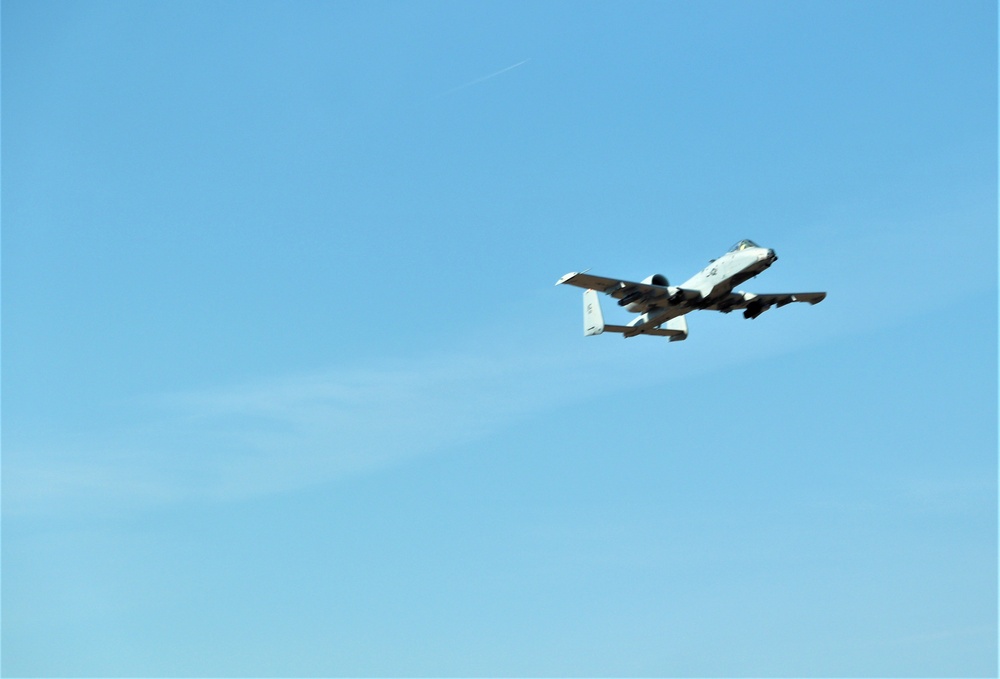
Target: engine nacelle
(633,301)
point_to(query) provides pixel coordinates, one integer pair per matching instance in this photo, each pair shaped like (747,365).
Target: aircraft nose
(771,255)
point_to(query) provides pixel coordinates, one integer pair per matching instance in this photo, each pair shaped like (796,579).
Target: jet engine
(656,279)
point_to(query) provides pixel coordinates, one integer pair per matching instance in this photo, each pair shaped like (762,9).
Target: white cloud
(486,77)
(276,435)
(264,437)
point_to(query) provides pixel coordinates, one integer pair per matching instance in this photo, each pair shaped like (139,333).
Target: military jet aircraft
(662,306)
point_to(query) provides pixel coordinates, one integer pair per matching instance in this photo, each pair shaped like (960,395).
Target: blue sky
(288,390)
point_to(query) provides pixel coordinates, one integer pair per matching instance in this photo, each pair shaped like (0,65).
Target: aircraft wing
(615,287)
(756,304)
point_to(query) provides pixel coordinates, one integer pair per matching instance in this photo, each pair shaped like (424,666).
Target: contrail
(486,77)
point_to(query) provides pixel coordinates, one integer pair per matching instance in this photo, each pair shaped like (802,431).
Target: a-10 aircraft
(662,306)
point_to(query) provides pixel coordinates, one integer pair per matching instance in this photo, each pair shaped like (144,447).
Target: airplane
(662,307)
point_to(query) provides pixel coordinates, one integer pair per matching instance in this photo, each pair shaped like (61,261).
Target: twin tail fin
(593,322)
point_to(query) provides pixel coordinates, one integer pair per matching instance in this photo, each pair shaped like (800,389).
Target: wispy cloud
(486,77)
(263,437)
(267,436)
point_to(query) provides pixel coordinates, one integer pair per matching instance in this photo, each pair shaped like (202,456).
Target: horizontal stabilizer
(676,329)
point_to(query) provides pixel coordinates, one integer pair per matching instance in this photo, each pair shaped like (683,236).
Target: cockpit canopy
(743,245)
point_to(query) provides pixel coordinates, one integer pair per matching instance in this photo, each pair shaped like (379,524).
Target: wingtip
(570,275)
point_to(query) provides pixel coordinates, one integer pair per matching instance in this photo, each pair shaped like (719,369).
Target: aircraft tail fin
(676,329)
(593,317)
(593,322)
